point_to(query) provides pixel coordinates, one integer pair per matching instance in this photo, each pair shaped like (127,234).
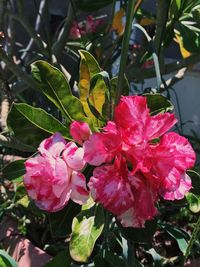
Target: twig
(4,113)
(171,81)
(37,26)
(59,45)
(136,73)
(17,70)
(24,22)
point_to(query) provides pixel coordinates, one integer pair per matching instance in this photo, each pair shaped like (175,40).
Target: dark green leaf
(179,235)
(114,259)
(113,87)
(61,221)
(140,235)
(62,259)
(190,39)
(14,171)
(158,103)
(91,5)
(32,125)
(53,84)
(87,226)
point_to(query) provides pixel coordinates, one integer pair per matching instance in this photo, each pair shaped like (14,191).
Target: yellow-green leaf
(88,68)
(87,226)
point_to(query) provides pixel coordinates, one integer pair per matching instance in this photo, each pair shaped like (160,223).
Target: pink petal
(111,189)
(129,219)
(53,145)
(131,110)
(79,192)
(184,186)
(73,156)
(102,147)
(80,131)
(160,124)
(181,148)
(165,162)
(95,152)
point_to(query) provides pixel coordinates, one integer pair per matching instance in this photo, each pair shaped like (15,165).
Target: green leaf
(114,259)
(53,84)
(7,259)
(91,5)
(14,171)
(158,103)
(62,259)
(87,226)
(194,202)
(24,201)
(179,235)
(190,39)
(61,221)
(140,235)
(113,87)
(32,125)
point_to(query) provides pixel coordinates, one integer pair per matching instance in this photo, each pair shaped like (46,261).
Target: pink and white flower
(154,168)
(53,177)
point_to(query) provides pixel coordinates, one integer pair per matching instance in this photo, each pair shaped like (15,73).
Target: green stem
(131,254)
(192,240)
(125,45)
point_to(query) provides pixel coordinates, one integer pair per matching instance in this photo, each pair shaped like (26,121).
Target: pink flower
(166,163)
(76,30)
(52,177)
(80,29)
(132,117)
(125,195)
(80,131)
(92,24)
(157,162)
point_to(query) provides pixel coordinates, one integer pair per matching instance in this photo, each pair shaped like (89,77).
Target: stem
(15,69)
(161,20)
(136,73)
(125,45)
(131,254)
(192,240)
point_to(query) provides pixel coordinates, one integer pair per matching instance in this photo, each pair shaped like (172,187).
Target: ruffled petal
(182,150)
(111,189)
(95,152)
(184,187)
(53,145)
(47,182)
(73,156)
(79,192)
(159,124)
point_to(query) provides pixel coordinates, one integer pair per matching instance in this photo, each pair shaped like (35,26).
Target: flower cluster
(80,29)
(53,176)
(136,162)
